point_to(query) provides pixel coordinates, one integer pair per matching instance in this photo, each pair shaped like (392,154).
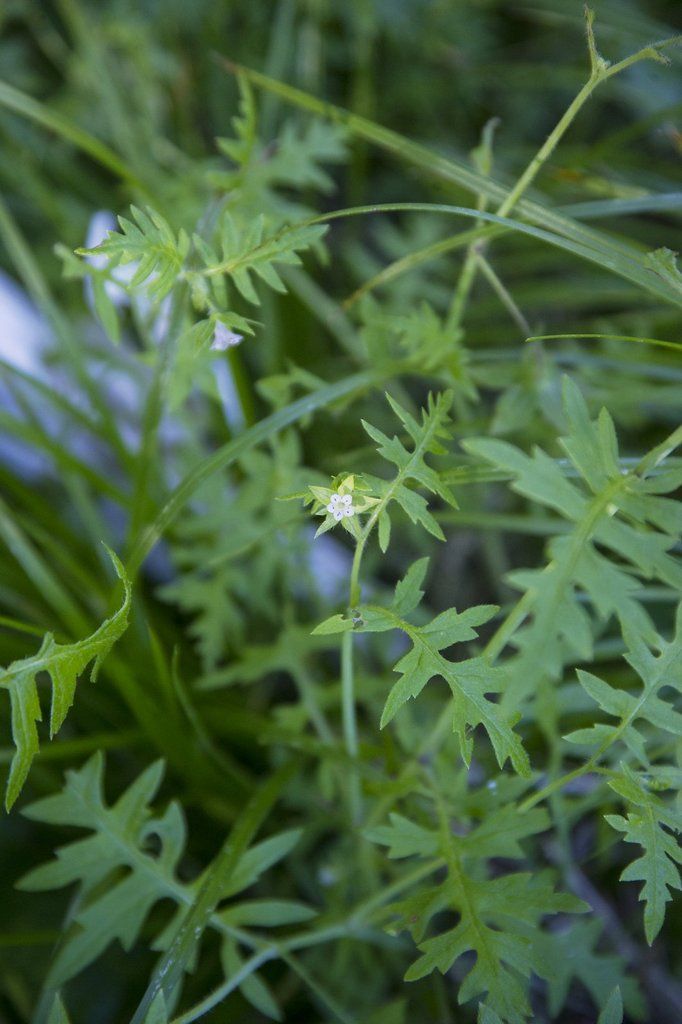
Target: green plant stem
(350,928)
(173,962)
(475,259)
(549,145)
(347,681)
(502,292)
(561,781)
(600,72)
(350,727)
(263,956)
(463,289)
(413,259)
(593,761)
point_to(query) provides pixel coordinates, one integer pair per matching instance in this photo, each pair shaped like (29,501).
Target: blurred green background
(146,79)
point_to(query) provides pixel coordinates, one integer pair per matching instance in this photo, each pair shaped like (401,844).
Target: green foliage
(150,243)
(250,249)
(496,915)
(573,954)
(121,880)
(264,172)
(620,527)
(426,436)
(58,1013)
(647,824)
(444,677)
(63,663)
(469,680)
(656,672)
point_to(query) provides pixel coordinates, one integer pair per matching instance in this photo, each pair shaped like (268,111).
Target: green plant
(389,690)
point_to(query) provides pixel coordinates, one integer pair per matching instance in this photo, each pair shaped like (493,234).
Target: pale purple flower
(224,338)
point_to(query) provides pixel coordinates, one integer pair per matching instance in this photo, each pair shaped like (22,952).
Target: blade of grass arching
(632,268)
(174,961)
(662,202)
(442,167)
(19,103)
(370,131)
(231,451)
(676,345)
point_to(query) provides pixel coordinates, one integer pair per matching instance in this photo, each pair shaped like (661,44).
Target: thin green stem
(502,292)
(593,761)
(465,283)
(549,145)
(350,726)
(559,783)
(170,968)
(349,928)
(414,259)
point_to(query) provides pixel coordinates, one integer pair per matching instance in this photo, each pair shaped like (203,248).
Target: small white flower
(341,505)
(223,338)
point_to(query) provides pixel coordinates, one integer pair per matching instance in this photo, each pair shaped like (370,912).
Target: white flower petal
(224,338)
